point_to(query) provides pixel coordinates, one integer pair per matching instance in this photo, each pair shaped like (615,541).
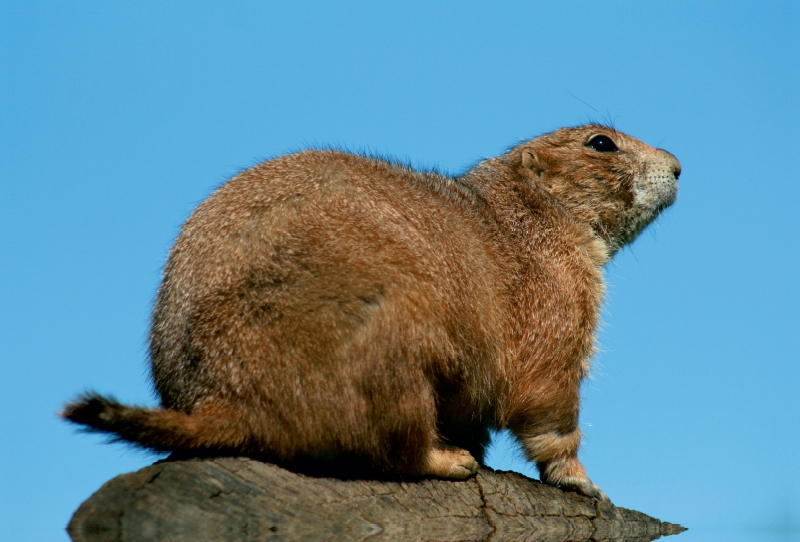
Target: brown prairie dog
(326,305)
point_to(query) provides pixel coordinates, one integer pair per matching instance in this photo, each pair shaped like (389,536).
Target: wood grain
(242,499)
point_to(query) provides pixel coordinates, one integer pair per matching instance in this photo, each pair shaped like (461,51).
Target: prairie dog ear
(528,159)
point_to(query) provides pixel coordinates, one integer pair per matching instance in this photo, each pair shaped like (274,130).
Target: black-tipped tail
(158,429)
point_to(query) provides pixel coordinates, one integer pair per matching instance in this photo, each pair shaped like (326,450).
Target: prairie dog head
(613,182)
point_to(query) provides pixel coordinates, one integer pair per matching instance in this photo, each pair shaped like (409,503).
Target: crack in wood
(243,499)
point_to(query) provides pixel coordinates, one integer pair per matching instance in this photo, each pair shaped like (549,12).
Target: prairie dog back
(326,305)
(319,293)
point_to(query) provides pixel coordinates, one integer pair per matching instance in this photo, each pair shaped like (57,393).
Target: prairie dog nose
(672,162)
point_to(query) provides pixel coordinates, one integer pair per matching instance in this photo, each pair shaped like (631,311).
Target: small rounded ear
(528,159)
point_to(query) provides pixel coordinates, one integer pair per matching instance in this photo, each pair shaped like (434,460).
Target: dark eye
(602,143)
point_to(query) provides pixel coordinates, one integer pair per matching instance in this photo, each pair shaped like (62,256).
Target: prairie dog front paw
(584,486)
(556,458)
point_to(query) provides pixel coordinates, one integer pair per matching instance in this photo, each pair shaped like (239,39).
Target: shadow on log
(243,499)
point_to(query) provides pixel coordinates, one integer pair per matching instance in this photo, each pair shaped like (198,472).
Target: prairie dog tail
(158,429)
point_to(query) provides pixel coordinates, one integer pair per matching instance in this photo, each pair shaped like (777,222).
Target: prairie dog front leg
(556,457)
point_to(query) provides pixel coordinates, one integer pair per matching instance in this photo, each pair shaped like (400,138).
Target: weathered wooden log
(243,499)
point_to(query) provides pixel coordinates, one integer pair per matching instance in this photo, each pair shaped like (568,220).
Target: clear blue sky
(117,118)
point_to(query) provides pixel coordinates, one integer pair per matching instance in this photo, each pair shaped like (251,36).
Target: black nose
(677,171)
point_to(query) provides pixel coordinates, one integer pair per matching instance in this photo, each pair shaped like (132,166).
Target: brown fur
(323,305)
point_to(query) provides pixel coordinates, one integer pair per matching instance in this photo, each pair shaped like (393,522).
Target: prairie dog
(325,305)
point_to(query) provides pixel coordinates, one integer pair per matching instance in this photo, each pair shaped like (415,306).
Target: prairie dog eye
(602,143)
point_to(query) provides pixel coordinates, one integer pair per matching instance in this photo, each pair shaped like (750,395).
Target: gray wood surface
(243,499)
